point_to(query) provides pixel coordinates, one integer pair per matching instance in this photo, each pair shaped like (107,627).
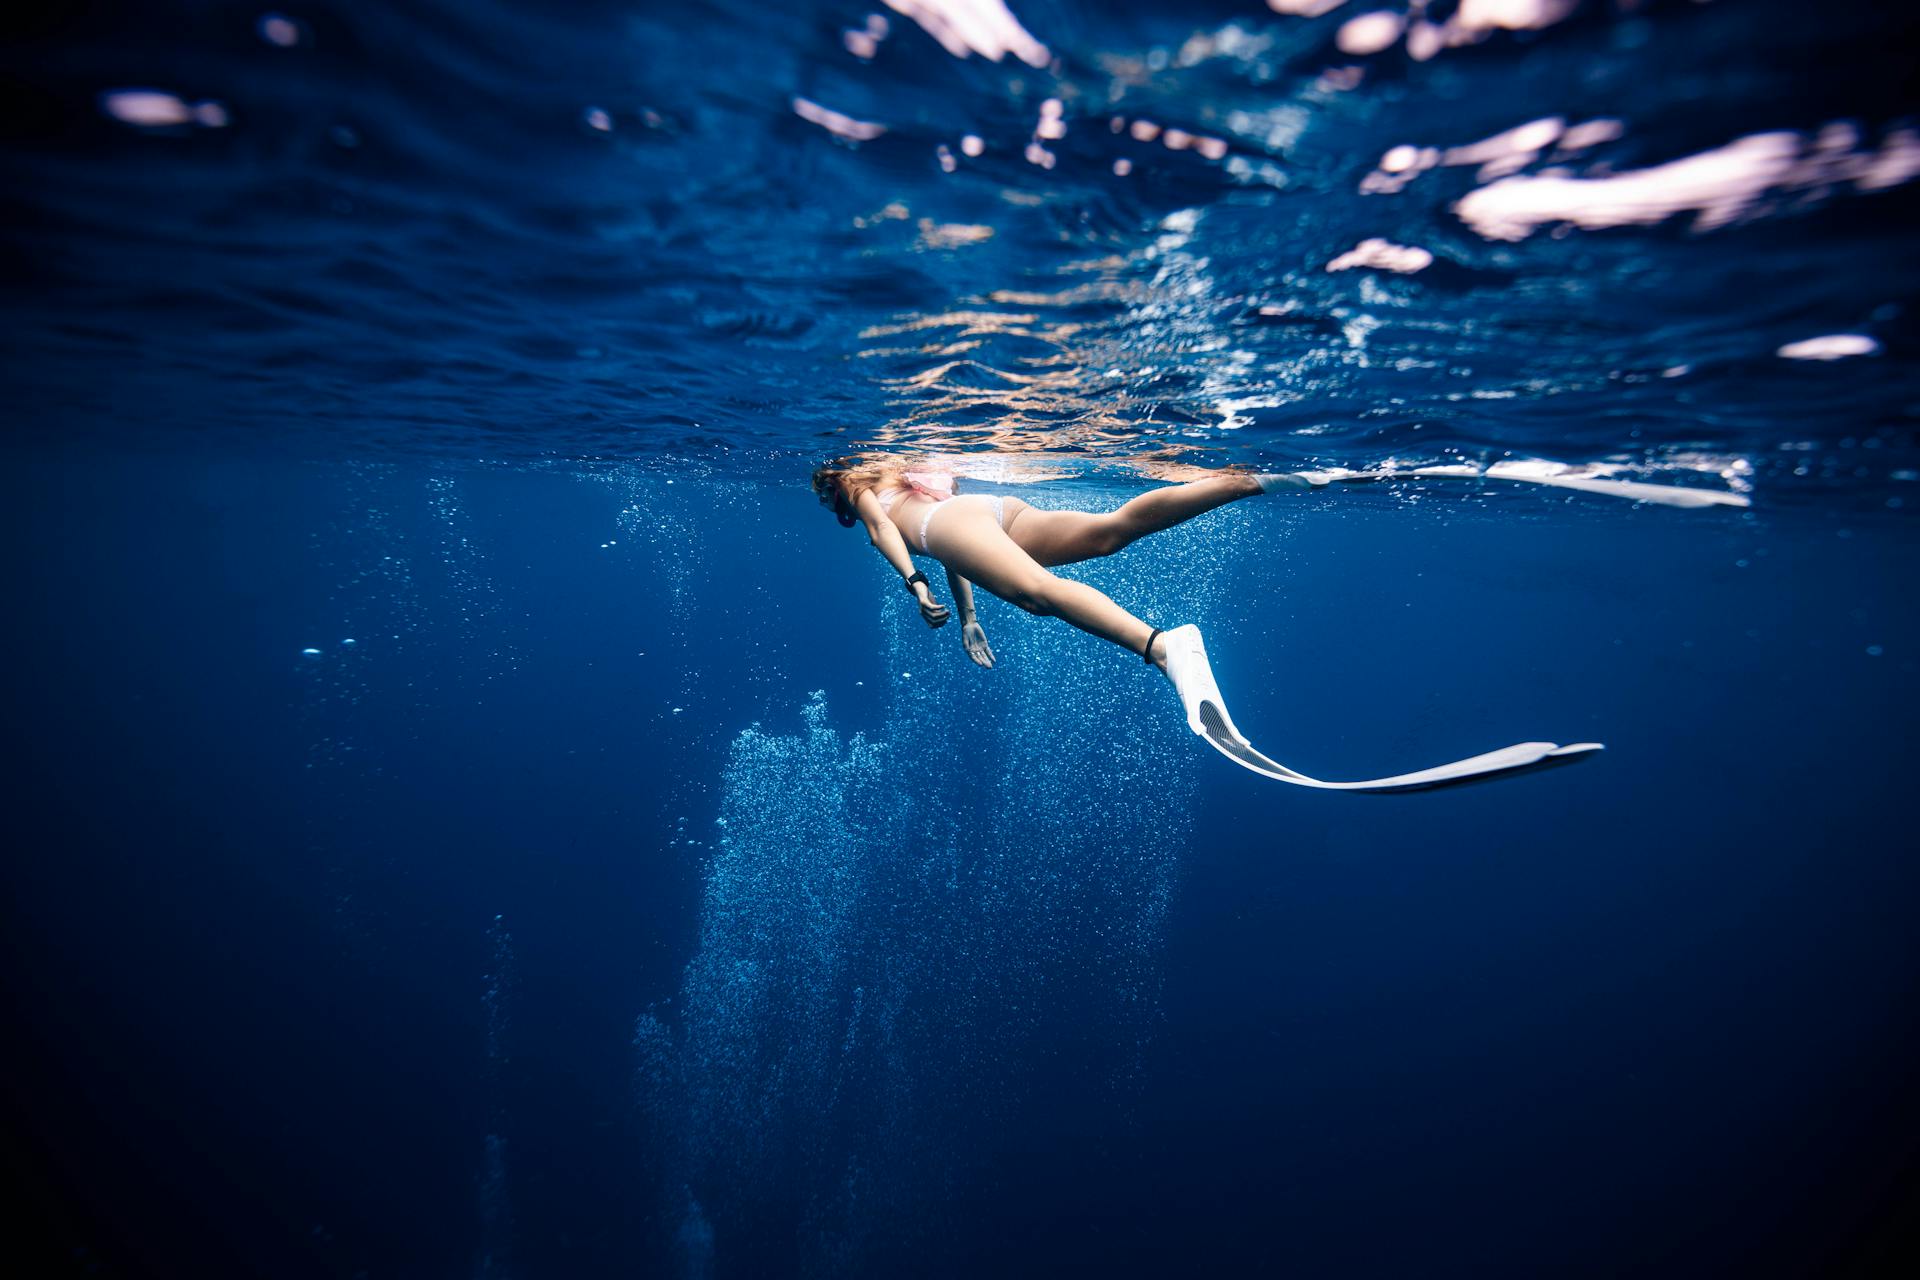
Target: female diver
(1008,547)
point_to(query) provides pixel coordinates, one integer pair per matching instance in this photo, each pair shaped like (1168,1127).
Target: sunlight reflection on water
(1290,234)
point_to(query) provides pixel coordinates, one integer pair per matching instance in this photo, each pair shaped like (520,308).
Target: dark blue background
(1650,1013)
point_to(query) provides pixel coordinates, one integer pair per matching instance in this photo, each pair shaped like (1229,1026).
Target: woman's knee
(1109,533)
(1036,595)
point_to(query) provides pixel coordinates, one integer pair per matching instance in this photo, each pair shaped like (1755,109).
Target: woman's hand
(974,637)
(932,610)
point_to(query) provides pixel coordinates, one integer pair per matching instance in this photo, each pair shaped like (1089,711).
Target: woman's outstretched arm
(893,548)
(972,634)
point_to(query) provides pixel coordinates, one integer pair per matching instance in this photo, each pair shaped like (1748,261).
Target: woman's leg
(1065,537)
(969,541)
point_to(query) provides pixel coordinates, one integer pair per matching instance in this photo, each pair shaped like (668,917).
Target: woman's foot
(1184,660)
(1275,481)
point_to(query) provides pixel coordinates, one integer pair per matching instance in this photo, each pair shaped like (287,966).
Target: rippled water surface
(1583,231)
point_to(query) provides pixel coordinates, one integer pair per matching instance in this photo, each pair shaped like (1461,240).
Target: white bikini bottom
(998,504)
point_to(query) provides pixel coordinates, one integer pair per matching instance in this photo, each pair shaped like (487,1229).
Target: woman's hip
(969,511)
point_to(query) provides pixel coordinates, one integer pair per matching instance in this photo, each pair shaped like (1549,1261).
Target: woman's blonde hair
(852,476)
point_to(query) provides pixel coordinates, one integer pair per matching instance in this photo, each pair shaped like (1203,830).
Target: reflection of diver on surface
(1009,548)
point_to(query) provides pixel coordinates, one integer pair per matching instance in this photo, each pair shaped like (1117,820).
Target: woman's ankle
(1156,652)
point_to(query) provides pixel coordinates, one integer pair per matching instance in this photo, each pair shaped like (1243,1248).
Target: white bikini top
(932,485)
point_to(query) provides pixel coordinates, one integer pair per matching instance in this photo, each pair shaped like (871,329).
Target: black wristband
(917,577)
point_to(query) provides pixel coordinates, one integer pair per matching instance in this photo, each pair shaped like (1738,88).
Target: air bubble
(278,29)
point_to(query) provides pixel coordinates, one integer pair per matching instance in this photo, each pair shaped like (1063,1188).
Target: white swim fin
(1192,677)
(1590,478)
(1598,479)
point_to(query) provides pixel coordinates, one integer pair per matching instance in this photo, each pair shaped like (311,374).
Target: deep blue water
(477,816)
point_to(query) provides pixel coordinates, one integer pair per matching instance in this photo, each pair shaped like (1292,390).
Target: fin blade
(1523,757)
(1192,676)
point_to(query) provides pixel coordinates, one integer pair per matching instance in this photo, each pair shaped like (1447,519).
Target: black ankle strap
(1146,654)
